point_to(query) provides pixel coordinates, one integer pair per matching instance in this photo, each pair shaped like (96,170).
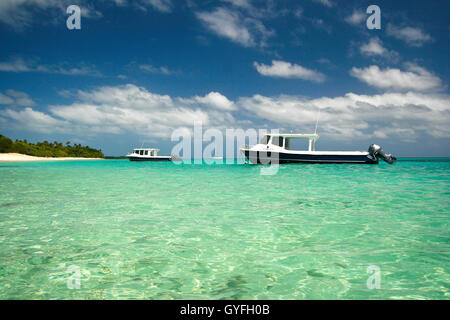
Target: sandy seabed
(12,157)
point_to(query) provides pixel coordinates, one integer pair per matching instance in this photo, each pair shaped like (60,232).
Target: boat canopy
(277,139)
(312,136)
(149,149)
(146,151)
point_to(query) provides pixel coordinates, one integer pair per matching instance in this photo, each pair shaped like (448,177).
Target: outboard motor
(376,152)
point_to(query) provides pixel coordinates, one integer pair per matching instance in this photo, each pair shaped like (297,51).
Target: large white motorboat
(277,148)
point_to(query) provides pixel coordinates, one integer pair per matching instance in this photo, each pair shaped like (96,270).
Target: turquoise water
(166,231)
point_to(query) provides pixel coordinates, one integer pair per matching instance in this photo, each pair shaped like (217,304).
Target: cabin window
(287,144)
(277,141)
(141,152)
(298,144)
(146,152)
(265,140)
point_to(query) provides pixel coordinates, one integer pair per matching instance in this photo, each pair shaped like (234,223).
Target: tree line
(48,149)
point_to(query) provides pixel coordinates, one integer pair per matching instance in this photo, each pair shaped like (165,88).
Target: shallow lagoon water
(166,231)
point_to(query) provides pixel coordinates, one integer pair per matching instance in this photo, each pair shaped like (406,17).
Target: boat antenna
(317,122)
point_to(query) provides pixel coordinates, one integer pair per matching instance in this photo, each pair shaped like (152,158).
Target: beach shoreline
(18,157)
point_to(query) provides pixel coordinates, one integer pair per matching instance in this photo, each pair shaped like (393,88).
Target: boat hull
(264,157)
(150,159)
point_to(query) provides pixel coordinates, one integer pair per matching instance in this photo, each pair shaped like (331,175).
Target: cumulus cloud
(126,108)
(231,24)
(216,100)
(412,36)
(403,115)
(283,69)
(129,108)
(32,120)
(415,78)
(375,48)
(356,18)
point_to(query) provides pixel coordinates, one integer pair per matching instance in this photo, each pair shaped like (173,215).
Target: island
(22,150)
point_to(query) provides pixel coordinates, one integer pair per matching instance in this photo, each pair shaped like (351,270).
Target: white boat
(276,148)
(147,154)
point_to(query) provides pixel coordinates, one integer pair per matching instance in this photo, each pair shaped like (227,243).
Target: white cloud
(19,65)
(326,3)
(16,13)
(20,98)
(412,36)
(356,18)
(231,24)
(264,9)
(14,65)
(240,3)
(126,108)
(216,100)
(31,120)
(283,69)
(375,49)
(358,116)
(415,78)
(160,5)
(227,24)
(118,2)
(16,98)
(5,99)
(152,69)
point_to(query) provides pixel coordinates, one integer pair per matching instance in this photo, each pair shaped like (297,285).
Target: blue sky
(140,69)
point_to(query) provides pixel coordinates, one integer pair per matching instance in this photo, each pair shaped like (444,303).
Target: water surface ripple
(166,231)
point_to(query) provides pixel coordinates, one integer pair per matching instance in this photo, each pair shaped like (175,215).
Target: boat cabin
(146,152)
(283,141)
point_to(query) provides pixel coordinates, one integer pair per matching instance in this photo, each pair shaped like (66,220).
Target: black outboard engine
(376,152)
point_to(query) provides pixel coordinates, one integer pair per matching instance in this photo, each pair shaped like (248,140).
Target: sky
(138,70)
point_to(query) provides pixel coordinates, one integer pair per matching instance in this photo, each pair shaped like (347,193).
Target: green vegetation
(48,149)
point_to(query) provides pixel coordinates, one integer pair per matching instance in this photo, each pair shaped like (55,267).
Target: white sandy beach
(14,157)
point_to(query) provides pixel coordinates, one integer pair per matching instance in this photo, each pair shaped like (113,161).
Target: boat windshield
(265,140)
(277,141)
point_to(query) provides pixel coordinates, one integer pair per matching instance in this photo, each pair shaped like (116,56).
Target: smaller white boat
(147,154)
